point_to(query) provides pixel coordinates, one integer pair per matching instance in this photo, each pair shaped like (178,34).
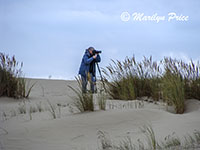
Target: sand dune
(79,131)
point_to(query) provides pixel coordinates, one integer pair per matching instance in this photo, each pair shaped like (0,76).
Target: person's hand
(95,56)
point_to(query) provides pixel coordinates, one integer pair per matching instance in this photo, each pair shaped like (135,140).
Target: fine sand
(79,131)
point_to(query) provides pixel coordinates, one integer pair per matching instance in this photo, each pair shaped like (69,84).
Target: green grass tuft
(169,79)
(12,83)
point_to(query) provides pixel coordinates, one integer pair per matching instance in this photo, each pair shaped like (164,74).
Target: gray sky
(50,36)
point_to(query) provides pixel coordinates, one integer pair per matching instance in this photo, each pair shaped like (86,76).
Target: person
(88,69)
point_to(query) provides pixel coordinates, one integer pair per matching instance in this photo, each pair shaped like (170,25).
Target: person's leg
(93,84)
(84,84)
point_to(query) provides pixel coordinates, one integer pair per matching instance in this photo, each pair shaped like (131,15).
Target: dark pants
(92,84)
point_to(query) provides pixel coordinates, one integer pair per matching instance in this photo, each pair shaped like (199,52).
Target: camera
(96,52)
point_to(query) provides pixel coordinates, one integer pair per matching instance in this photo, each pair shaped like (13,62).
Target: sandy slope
(79,131)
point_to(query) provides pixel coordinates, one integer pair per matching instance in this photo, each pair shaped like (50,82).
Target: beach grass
(52,109)
(150,142)
(12,82)
(82,101)
(169,79)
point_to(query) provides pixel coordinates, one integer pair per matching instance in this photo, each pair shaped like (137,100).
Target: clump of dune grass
(52,109)
(27,108)
(150,135)
(129,79)
(105,142)
(82,101)
(169,79)
(171,142)
(191,74)
(12,83)
(173,86)
(26,87)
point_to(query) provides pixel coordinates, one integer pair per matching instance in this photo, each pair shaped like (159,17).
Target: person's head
(90,49)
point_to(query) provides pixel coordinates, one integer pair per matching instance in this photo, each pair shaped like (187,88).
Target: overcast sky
(50,36)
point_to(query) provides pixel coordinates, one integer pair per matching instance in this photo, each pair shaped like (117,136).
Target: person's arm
(87,60)
(98,58)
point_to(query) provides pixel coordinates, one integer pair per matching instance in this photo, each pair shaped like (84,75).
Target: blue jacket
(86,62)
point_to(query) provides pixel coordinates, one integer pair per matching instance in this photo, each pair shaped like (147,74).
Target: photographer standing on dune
(88,68)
